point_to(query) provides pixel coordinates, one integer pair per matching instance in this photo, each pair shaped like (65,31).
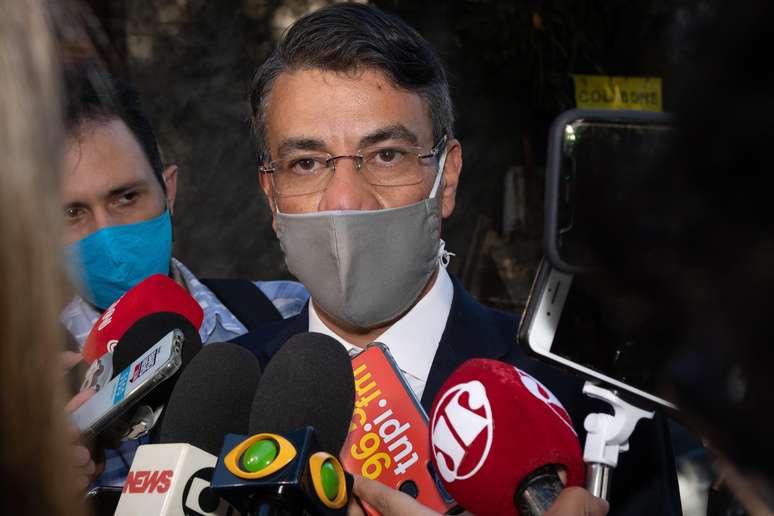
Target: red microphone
(497,435)
(157,293)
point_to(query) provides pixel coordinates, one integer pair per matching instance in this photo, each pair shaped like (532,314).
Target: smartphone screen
(596,326)
(598,162)
(601,327)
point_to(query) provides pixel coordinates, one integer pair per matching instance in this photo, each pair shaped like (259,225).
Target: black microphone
(299,420)
(150,329)
(308,382)
(211,398)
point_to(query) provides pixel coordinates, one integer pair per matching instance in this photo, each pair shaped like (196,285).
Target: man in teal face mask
(117,209)
(118,202)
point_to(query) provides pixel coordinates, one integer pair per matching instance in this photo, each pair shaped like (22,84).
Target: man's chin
(350,327)
(377,328)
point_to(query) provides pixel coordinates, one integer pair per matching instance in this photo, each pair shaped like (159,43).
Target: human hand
(385,500)
(576,501)
(85,470)
(72,369)
(69,359)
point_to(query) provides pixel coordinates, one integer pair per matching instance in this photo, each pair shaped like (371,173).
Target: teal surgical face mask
(108,262)
(365,268)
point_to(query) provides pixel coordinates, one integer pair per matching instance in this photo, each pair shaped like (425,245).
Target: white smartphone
(584,324)
(154,366)
(596,160)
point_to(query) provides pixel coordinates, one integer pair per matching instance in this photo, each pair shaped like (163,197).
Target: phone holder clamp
(607,436)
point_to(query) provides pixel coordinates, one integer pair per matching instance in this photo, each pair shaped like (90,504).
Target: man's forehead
(358,103)
(102,155)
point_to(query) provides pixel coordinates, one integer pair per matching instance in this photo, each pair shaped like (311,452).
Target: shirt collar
(413,339)
(79,316)
(215,313)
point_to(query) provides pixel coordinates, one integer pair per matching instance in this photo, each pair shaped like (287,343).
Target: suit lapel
(267,339)
(472,331)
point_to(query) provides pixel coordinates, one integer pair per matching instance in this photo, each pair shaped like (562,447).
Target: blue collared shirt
(218,325)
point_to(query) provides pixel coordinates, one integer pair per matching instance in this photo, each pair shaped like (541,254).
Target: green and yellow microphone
(299,420)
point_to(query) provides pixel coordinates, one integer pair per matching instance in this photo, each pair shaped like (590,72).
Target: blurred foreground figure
(707,253)
(36,463)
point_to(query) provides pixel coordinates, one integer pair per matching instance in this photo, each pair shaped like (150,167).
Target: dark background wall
(509,64)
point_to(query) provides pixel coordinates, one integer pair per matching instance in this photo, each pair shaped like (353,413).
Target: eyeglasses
(391,165)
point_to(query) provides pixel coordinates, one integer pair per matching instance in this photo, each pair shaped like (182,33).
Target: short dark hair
(94,96)
(348,37)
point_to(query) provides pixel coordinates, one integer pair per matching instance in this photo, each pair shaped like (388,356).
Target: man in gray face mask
(359,169)
(359,165)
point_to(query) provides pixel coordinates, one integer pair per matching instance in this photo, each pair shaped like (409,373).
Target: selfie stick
(607,436)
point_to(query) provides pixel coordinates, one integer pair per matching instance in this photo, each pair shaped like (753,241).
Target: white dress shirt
(413,339)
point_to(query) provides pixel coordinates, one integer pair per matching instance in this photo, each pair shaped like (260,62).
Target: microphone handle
(268,509)
(274,506)
(538,491)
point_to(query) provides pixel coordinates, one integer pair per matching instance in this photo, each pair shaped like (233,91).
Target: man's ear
(268,191)
(451,177)
(170,183)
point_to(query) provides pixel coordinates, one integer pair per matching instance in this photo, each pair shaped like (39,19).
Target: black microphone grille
(211,398)
(147,331)
(309,381)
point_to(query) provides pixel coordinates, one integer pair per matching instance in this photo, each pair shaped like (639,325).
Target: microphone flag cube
(289,472)
(171,479)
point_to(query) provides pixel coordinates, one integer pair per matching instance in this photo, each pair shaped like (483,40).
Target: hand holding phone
(85,467)
(154,366)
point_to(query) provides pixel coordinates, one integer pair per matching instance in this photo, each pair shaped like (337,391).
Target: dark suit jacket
(645,482)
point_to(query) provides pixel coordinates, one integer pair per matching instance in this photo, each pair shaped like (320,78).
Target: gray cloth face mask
(365,268)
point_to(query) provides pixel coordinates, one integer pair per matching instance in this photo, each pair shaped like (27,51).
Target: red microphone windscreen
(491,426)
(157,293)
